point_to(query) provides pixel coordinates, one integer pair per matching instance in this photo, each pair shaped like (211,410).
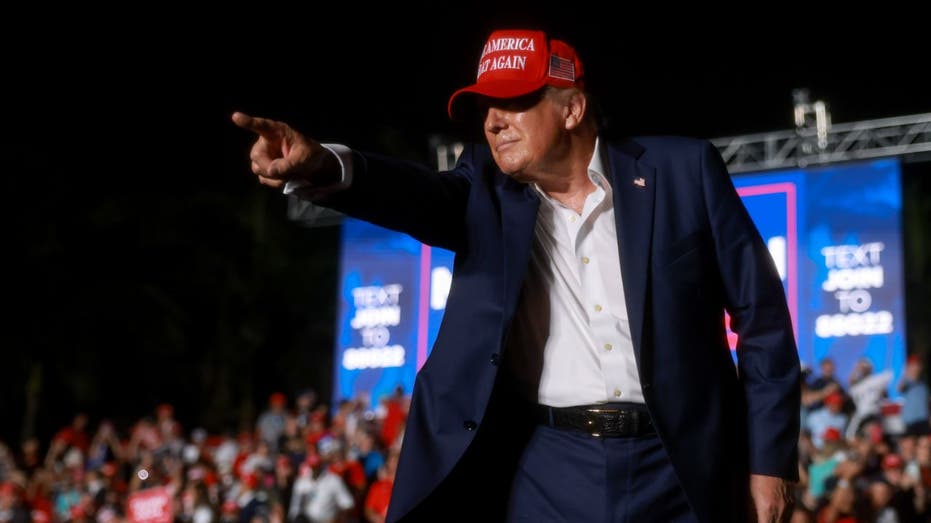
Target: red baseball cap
(516,62)
(834,398)
(892,461)
(278,399)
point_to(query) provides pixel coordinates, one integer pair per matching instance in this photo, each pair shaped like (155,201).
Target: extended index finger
(270,129)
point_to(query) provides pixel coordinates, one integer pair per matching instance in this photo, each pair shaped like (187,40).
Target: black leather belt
(601,421)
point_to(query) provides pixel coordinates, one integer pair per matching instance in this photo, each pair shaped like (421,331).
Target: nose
(495,120)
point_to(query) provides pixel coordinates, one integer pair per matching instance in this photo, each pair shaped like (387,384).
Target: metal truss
(822,144)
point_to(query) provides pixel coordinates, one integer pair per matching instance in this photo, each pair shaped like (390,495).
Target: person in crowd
(915,404)
(13,508)
(830,415)
(822,385)
(271,423)
(70,439)
(867,389)
(105,446)
(379,494)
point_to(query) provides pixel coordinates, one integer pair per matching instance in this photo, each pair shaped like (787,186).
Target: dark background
(147,264)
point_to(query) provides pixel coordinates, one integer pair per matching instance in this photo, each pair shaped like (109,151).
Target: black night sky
(147,264)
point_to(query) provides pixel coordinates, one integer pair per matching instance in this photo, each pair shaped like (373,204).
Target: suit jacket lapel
(634,185)
(519,205)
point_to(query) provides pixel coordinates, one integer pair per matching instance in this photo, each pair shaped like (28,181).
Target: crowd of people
(301,462)
(307,463)
(862,458)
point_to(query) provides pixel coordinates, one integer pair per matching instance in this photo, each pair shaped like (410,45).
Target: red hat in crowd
(308,464)
(250,480)
(892,461)
(9,488)
(834,398)
(831,434)
(108,469)
(518,62)
(913,359)
(210,478)
(277,399)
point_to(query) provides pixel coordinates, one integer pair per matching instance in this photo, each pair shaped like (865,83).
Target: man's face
(525,134)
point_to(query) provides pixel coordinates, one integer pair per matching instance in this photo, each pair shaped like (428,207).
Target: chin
(514,168)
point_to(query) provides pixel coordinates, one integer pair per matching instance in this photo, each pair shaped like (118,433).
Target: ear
(576,105)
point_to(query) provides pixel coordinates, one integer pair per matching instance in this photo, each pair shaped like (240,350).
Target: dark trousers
(516,470)
(567,476)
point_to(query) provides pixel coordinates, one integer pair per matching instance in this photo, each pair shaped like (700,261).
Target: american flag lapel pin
(640,182)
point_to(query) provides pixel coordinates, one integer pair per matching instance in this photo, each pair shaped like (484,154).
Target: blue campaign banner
(392,296)
(441,276)
(835,236)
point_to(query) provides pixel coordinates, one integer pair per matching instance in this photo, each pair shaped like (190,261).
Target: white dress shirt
(571,326)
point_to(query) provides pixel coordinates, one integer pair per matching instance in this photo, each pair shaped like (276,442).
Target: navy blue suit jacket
(688,252)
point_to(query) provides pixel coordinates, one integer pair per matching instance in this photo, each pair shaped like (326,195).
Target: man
(271,422)
(822,386)
(595,276)
(830,416)
(867,390)
(915,412)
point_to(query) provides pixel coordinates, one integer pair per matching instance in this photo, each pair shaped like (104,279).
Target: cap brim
(499,89)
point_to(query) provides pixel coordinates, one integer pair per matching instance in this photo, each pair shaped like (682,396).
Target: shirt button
(495,359)
(608,346)
(469,425)
(572,219)
(597,308)
(617,393)
(585,260)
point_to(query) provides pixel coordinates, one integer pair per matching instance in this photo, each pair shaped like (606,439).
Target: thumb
(280,167)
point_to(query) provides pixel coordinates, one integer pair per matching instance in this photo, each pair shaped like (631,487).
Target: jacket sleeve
(767,357)
(408,197)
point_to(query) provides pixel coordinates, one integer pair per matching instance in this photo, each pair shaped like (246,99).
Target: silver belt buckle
(591,422)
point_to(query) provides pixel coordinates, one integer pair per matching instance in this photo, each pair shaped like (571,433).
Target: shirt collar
(596,169)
